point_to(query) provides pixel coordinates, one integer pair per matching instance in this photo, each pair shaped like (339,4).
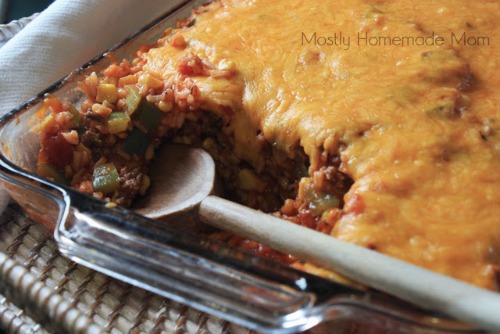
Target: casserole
(76,227)
(279,137)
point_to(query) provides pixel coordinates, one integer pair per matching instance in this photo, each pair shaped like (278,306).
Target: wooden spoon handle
(406,281)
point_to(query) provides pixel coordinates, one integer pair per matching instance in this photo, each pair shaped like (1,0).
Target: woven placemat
(43,292)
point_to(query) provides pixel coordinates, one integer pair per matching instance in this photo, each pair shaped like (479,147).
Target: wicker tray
(43,292)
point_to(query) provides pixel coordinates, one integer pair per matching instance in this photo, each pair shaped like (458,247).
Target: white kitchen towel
(62,38)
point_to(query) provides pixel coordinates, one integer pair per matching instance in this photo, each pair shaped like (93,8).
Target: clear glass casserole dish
(260,294)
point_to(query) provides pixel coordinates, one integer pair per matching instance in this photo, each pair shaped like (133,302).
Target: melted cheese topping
(417,126)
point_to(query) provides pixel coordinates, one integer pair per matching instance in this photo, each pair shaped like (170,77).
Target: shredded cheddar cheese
(406,92)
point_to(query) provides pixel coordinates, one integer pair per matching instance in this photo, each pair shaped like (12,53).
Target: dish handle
(214,278)
(195,271)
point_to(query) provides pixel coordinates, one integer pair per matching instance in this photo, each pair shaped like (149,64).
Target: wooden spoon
(183,179)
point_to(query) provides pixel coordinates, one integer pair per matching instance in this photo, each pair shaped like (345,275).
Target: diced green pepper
(137,142)
(106,178)
(77,118)
(147,115)
(132,100)
(47,170)
(320,202)
(118,122)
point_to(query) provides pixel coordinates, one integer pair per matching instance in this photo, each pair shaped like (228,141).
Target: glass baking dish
(257,293)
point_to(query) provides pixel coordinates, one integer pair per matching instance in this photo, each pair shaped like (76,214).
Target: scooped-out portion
(373,121)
